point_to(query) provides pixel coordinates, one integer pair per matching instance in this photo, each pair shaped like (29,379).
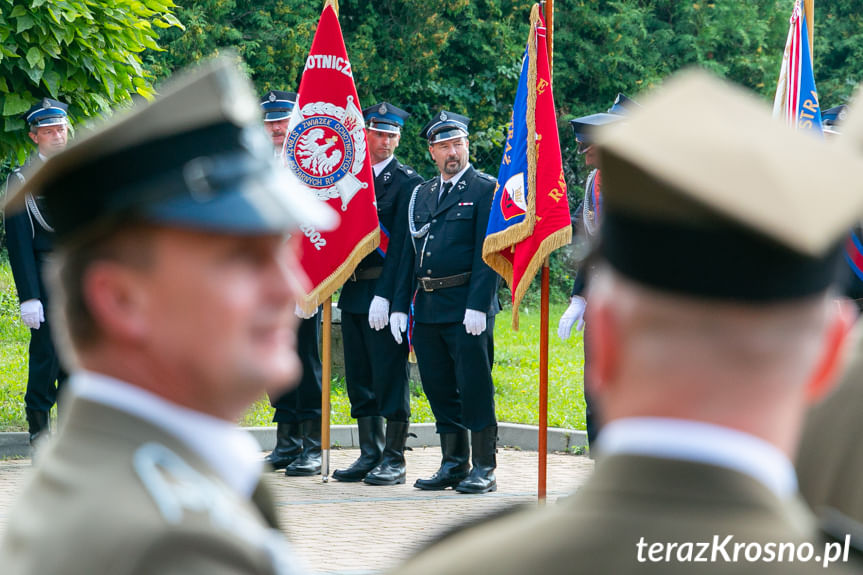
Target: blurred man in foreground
(713,327)
(177,293)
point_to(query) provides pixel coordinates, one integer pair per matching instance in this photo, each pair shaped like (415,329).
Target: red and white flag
(325,148)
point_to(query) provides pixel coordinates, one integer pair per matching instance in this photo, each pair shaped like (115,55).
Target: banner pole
(809,7)
(543,385)
(549,33)
(327,364)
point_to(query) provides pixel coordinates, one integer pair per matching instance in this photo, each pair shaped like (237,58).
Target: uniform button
(434,221)
(428,253)
(428,272)
(431,237)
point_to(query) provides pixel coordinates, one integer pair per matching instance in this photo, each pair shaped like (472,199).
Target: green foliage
(838,51)
(14,338)
(83,52)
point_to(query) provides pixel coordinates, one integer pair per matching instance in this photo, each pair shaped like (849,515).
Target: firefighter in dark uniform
(587,219)
(376,367)
(454,297)
(29,239)
(298,412)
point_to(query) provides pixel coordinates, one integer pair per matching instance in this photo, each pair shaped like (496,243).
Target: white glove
(379,313)
(32,313)
(574,315)
(398,325)
(298,311)
(474,321)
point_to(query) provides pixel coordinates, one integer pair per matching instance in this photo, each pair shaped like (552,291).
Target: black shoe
(391,471)
(39,423)
(289,445)
(309,461)
(454,463)
(371,433)
(484,446)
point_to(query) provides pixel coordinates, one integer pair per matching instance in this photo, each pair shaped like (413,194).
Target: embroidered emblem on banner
(327,149)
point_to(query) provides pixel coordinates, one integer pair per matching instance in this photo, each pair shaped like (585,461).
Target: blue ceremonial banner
(509,209)
(529,213)
(796,97)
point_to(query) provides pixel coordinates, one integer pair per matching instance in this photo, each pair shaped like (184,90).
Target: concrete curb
(526,437)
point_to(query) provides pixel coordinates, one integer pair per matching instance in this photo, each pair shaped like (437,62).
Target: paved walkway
(353,528)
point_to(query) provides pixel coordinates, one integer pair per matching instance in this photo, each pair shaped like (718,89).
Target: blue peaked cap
(384,117)
(278,105)
(47,112)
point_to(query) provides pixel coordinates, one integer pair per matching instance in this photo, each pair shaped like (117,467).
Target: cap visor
(276,205)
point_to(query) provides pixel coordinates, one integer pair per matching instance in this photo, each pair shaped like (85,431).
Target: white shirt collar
(702,443)
(453,180)
(379,167)
(231,452)
(42,157)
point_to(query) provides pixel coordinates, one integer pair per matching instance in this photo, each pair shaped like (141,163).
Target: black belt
(432,284)
(367,274)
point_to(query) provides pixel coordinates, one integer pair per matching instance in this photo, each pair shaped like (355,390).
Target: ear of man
(117,300)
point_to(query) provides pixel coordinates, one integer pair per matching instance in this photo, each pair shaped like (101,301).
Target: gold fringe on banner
(334,4)
(555,241)
(506,239)
(337,279)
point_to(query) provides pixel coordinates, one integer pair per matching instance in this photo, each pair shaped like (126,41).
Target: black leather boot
(391,471)
(454,463)
(289,445)
(309,461)
(39,424)
(371,433)
(484,446)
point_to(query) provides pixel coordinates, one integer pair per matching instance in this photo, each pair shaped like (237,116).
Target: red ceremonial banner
(325,148)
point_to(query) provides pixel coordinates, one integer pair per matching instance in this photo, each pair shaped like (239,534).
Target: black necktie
(446,188)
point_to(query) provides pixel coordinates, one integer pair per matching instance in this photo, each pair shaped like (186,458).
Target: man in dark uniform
(587,218)
(454,297)
(376,367)
(29,238)
(298,412)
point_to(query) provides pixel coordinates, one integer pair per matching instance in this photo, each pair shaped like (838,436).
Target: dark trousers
(376,370)
(304,401)
(45,376)
(455,368)
(591,417)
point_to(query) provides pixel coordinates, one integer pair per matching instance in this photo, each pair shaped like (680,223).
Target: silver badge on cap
(46,103)
(382,110)
(272,97)
(443,117)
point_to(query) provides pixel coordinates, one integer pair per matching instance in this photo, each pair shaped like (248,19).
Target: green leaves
(85,53)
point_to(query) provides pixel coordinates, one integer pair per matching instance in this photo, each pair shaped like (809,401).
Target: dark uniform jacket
(452,246)
(393,187)
(631,500)
(28,241)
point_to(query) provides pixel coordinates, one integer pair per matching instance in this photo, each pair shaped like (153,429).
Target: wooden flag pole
(542,445)
(549,30)
(327,364)
(809,7)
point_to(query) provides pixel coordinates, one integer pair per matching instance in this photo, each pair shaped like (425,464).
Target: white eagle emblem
(315,156)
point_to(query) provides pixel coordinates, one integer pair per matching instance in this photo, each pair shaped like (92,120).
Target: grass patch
(516,373)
